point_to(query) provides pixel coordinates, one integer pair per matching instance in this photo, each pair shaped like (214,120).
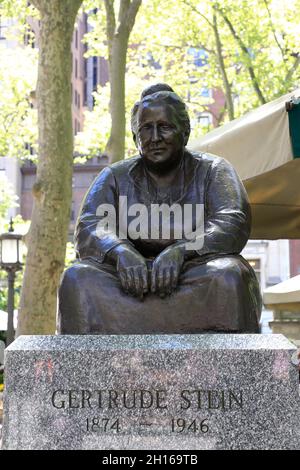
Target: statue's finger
(167,280)
(175,277)
(161,282)
(143,282)
(130,280)
(170,281)
(144,276)
(153,279)
(138,285)
(123,280)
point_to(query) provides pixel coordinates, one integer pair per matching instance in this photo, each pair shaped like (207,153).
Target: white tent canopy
(259,147)
(284,292)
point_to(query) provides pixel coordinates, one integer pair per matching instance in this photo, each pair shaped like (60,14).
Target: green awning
(294,126)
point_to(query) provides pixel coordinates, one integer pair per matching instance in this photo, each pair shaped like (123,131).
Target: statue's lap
(219,294)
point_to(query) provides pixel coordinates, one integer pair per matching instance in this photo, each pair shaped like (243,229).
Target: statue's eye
(166,127)
(146,127)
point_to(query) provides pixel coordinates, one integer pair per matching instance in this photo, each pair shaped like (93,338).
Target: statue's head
(160,125)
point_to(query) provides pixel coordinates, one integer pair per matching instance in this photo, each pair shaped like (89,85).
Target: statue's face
(160,139)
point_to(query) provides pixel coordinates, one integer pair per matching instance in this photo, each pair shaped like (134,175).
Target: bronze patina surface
(125,284)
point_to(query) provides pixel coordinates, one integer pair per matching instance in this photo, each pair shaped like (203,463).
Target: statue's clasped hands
(137,280)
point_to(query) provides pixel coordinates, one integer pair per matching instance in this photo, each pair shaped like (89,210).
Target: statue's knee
(68,300)
(232,273)
(69,278)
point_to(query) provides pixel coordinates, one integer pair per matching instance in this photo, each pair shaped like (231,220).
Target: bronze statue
(141,270)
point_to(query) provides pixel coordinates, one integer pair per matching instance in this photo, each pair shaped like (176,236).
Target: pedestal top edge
(151,342)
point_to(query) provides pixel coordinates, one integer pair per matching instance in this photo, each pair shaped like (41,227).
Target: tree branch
(123,9)
(110,20)
(292,69)
(132,12)
(195,10)
(273,30)
(245,50)
(227,87)
(127,14)
(218,117)
(39,4)
(174,46)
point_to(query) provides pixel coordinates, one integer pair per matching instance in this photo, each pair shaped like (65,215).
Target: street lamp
(11,249)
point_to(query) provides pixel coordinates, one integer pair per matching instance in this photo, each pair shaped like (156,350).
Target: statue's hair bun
(150,90)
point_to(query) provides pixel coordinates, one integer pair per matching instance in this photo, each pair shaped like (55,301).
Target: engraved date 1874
(103,424)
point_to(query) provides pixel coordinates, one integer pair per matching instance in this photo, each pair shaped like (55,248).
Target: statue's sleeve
(227,214)
(93,237)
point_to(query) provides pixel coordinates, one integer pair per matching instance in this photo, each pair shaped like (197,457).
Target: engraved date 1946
(181,425)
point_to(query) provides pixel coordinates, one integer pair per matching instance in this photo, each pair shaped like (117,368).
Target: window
(256,266)
(27,182)
(95,73)
(199,56)
(95,78)
(76,68)
(73,211)
(85,94)
(3,27)
(76,126)
(29,148)
(151,62)
(78,100)
(76,39)
(204,119)
(205,92)
(29,37)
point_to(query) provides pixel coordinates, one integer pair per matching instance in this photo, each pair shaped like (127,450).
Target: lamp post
(11,248)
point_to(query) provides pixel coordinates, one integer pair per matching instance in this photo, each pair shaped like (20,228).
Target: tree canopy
(247,49)
(18,118)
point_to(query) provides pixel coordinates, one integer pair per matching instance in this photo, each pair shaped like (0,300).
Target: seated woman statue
(159,236)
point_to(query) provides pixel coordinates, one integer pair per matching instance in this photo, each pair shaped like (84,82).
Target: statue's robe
(217,290)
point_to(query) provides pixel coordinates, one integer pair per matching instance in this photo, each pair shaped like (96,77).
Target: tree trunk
(53,188)
(117,39)
(115,147)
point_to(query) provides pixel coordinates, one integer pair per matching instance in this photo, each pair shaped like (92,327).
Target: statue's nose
(155,133)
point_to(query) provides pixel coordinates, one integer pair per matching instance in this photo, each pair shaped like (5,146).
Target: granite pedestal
(151,392)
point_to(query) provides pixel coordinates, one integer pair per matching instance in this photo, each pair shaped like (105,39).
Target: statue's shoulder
(123,167)
(205,157)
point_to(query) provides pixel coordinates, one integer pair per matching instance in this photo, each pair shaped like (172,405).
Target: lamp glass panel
(9,251)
